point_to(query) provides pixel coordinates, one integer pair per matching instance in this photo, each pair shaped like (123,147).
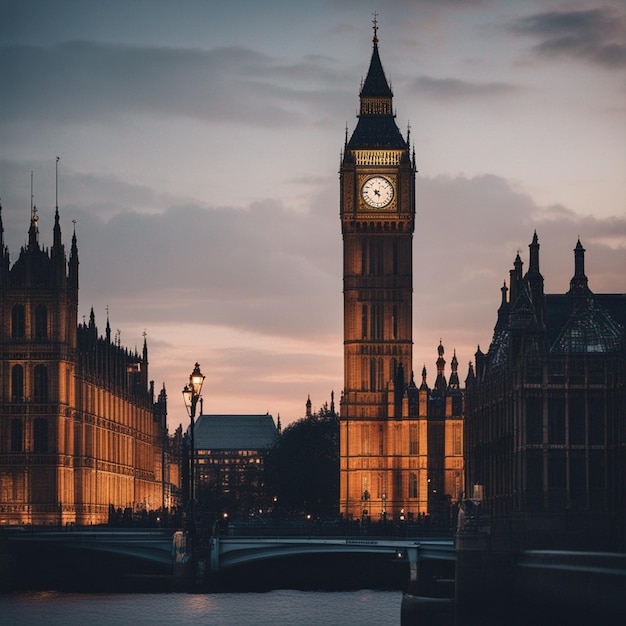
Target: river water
(275,608)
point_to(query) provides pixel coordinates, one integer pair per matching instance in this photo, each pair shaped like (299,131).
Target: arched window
(17,435)
(41,322)
(17,383)
(40,435)
(41,384)
(18,322)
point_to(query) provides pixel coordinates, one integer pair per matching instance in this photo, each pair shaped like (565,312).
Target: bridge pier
(484,570)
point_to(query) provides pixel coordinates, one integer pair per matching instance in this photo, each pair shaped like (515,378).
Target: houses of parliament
(80,428)
(540,426)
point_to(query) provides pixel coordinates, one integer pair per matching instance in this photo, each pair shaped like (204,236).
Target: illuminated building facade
(230,460)
(546,410)
(385,420)
(80,430)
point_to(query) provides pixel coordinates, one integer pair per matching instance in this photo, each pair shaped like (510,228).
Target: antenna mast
(57,182)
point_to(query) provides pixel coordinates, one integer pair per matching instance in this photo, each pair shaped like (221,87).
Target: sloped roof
(234,432)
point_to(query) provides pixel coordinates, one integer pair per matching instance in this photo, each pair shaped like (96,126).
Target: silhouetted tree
(303,467)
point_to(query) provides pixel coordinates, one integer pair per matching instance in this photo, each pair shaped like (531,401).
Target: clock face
(377,192)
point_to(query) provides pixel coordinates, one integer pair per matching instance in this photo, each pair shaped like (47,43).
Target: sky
(200,144)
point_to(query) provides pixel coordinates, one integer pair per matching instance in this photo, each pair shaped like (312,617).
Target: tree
(303,467)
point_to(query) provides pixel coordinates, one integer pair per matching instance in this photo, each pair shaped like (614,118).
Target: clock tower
(379,422)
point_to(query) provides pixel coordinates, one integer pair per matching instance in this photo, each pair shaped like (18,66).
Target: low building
(230,454)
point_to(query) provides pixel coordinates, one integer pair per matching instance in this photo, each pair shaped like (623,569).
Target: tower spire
(375,27)
(57,184)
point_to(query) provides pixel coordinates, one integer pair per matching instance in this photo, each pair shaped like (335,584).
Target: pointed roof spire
(375,83)
(376,128)
(454,375)
(579,283)
(33,231)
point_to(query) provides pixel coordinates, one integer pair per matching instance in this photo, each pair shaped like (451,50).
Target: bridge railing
(339,528)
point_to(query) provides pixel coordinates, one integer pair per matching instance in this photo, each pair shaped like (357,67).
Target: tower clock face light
(377,192)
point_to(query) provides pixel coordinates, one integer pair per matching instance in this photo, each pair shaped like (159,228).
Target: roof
(234,432)
(378,129)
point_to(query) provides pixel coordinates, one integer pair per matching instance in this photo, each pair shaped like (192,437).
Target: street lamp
(191,395)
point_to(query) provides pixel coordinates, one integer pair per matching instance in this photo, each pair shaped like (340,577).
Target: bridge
(157,546)
(227,552)
(151,546)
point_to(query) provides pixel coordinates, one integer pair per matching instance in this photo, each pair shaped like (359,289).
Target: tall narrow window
(412,485)
(17,435)
(372,374)
(41,384)
(457,443)
(394,321)
(364,322)
(18,322)
(40,435)
(17,383)
(413,439)
(41,322)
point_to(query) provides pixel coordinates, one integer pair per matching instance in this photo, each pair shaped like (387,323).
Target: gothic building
(80,430)
(386,424)
(545,422)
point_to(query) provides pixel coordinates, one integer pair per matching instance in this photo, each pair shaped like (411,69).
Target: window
(40,432)
(534,420)
(18,322)
(577,419)
(457,443)
(17,383)
(17,436)
(41,384)
(413,439)
(556,420)
(596,420)
(41,322)
(412,485)
(365,439)
(364,322)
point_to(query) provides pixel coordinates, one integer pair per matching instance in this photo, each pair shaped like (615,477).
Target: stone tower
(380,451)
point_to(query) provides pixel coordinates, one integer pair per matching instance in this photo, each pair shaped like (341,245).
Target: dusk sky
(200,143)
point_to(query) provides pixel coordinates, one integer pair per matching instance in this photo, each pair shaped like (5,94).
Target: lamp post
(191,395)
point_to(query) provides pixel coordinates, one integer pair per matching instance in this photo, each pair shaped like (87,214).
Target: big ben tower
(382,464)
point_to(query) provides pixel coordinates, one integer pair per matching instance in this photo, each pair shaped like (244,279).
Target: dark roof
(376,130)
(375,82)
(234,432)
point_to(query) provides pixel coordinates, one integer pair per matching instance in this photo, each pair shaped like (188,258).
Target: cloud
(84,81)
(595,35)
(454,89)
(255,294)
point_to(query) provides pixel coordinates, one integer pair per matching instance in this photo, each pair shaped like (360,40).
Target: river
(275,608)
